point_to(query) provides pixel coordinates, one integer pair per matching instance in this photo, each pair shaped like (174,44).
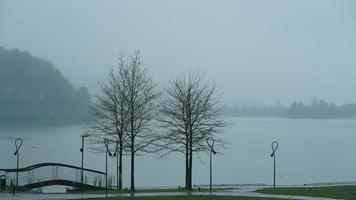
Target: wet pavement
(25,196)
(247,192)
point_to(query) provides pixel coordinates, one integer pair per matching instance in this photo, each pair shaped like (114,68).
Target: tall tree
(190,113)
(109,116)
(140,99)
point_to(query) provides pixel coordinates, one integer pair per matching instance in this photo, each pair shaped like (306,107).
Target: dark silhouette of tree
(124,111)
(140,100)
(109,116)
(189,114)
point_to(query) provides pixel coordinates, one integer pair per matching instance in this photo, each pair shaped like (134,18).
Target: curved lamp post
(108,152)
(210,141)
(274,146)
(82,151)
(18,144)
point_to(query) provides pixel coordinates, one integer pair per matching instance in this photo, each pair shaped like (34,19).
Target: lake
(310,151)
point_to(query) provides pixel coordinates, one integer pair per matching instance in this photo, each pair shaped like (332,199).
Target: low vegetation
(184,198)
(338,192)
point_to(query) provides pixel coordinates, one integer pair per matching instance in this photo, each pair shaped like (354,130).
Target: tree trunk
(186,165)
(121,140)
(120,165)
(132,170)
(190,159)
(117,170)
(132,150)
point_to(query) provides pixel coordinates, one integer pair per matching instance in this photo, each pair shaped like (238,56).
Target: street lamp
(274,146)
(18,144)
(106,143)
(210,141)
(82,151)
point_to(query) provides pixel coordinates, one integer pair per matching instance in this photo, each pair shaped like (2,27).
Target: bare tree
(190,113)
(109,115)
(125,110)
(140,99)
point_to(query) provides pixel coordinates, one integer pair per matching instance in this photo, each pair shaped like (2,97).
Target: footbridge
(47,174)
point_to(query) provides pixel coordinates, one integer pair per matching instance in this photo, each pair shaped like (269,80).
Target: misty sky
(260,51)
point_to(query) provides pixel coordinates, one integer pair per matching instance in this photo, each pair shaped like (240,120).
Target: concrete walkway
(246,192)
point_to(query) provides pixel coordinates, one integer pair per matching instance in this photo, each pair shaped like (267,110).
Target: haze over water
(310,151)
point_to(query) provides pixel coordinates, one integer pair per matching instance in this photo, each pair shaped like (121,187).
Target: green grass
(112,191)
(337,192)
(184,198)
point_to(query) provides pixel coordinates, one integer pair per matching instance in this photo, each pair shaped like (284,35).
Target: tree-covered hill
(33,91)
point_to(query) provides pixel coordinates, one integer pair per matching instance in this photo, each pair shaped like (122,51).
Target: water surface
(310,151)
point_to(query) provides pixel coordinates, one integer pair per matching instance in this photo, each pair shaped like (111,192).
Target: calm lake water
(310,151)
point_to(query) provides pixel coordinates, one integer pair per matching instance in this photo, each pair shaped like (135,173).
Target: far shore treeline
(317,109)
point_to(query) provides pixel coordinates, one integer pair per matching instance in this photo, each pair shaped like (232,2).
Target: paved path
(248,192)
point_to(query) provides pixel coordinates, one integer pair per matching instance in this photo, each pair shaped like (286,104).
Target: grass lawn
(338,192)
(184,198)
(112,191)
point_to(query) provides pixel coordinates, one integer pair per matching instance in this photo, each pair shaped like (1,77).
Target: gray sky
(259,51)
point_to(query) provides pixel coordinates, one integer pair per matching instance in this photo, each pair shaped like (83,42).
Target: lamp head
(214,152)
(106,143)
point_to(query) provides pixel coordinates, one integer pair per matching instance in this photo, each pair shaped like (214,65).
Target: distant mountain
(34,92)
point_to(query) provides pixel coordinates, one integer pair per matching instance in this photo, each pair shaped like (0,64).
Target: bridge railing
(55,171)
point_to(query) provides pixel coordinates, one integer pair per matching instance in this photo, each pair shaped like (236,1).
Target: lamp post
(274,146)
(82,151)
(210,141)
(18,144)
(106,143)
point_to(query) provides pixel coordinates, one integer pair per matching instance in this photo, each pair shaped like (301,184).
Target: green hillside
(34,92)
